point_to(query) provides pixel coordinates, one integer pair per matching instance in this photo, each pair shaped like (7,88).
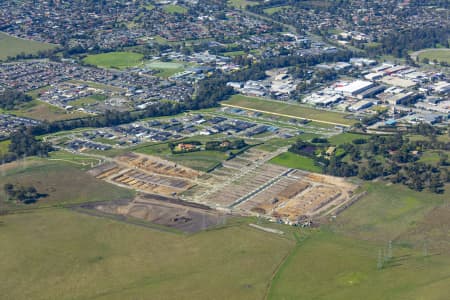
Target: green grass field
(175,9)
(330,266)
(288,110)
(12,46)
(4,147)
(86,101)
(233,53)
(42,111)
(292,160)
(242,3)
(200,160)
(117,60)
(441,55)
(272,10)
(59,254)
(347,137)
(387,211)
(62,179)
(167,69)
(340,261)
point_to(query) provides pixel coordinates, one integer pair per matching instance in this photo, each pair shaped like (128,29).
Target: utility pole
(379,262)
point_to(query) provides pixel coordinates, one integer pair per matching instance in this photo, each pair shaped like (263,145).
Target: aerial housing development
(180,149)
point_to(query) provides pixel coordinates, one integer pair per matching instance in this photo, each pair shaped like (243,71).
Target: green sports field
(117,60)
(12,46)
(288,110)
(167,69)
(175,9)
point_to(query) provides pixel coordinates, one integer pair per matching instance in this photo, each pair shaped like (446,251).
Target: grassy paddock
(386,212)
(330,266)
(292,160)
(42,111)
(441,55)
(12,46)
(347,137)
(200,160)
(288,110)
(61,179)
(70,255)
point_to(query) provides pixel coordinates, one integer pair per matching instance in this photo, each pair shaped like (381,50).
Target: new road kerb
(284,115)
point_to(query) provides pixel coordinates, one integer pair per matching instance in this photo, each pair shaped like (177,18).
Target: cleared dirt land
(170,212)
(148,174)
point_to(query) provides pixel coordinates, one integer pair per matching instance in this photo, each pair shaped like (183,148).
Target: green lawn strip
(288,110)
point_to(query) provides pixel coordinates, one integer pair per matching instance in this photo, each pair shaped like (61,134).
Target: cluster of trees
(392,157)
(12,99)
(398,43)
(23,143)
(225,145)
(22,194)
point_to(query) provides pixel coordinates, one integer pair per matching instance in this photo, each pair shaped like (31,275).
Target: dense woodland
(12,99)
(398,43)
(394,157)
(24,144)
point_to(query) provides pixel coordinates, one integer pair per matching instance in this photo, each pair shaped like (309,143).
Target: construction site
(246,185)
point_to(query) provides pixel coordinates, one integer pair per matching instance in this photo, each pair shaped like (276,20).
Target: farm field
(288,110)
(441,55)
(117,60)
(63,182)
(12,46)
(71,255)
(292,160)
